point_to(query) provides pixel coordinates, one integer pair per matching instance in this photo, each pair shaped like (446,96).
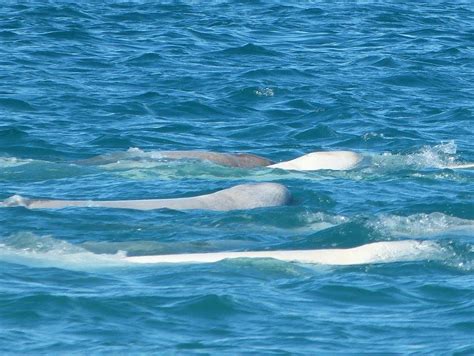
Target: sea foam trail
(32,250)
(378,252)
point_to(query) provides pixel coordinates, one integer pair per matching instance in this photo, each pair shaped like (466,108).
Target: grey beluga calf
(239,197)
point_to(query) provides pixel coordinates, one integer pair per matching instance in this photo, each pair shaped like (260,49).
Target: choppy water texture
(392,81)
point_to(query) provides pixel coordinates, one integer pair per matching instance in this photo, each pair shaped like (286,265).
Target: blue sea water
(391,80)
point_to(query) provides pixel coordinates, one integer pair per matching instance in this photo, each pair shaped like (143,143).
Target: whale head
(249,196)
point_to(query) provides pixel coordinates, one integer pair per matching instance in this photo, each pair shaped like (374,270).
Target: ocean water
(391,80)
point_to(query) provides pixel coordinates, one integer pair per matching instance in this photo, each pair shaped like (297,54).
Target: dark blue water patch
(16,104)
(73,34)
(144,59)
(290,74)
(320,131)
(346,235)
(376,61)
(7,34)
(248,49)
(13,139)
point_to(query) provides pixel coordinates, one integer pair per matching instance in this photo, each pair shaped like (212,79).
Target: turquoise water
(393,81)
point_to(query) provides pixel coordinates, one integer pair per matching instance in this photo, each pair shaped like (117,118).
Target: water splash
(264,92)
(45,251)
(420,225)
(439,156)
(7,162)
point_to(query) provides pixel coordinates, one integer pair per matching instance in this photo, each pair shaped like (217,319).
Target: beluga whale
(239,197)
(376,252)
(330,160)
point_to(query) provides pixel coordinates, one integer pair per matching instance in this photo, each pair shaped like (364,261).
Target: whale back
(240,197)
(377,252)
(242,160)
(247,196)
(334,160)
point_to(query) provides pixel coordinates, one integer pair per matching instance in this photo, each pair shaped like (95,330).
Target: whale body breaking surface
(65,255)
(239,197)
(377,252)
(330,160)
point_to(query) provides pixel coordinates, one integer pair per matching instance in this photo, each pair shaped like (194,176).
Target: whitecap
(45,251)
(438,156)
(7,162)
(420,225)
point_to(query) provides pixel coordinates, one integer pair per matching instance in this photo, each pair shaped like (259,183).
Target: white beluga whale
(333,160)
(330,160)
(239,197)
(61,254)
(377,252)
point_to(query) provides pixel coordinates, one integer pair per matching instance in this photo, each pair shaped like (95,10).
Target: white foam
(439,156)
(264,92)
(315,222)
(420,225)
(135,150)
(6,162)
(45,251)
(15,200)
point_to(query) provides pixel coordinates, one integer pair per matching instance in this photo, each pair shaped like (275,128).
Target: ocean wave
(318,221)
(45,251)
(249,49)
(209,305)
(16,104)
(6,162)
(438,156)
(420,225)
